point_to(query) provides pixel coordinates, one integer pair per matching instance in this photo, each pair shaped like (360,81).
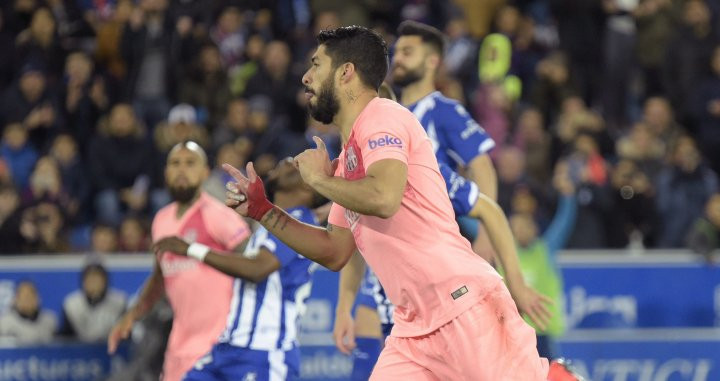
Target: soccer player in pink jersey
(205,225)
(454,317)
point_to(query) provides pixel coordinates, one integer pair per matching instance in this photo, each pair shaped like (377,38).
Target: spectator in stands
(181,125)
(232,154)
(84,98)
(18,154)
(234,125)
(659,117)
(90,312)
(104,239)
(644,148)
(553,85)
(74,178)
(27,322)
(11,241)
(655,21)
(43,229)
(633,219)
(532,138)
(538,257)
(154,47)
(688,54)
(31,103)
(707,112)
(121,163)
(230,35)
(205,86)
(682,191)
(704,237)
(40,43)
(109,35)
(588,171)
(133,237)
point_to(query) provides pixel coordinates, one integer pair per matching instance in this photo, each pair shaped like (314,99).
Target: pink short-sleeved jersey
(199,295)
(427,268)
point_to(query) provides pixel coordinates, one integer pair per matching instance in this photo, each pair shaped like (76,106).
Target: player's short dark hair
(360,46)
(429,35)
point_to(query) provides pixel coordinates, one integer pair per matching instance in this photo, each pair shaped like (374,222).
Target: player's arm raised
(331,246)
(528,301)
(377,194)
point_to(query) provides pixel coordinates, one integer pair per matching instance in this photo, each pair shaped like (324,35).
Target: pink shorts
(490,341)
(175,367)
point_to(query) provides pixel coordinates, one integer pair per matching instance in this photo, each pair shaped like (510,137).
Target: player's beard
(327,105)
(183,194)
(409,77)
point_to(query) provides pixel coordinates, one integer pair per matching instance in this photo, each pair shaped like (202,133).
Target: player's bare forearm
(378,194)
(501,237)
(482,172)
(330,247)
(350,278)
(152,291)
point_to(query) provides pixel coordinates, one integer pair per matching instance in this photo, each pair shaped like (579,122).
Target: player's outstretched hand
(174,245)
(314,164)
(120,332)
(344,333)
(247,194)
(534,305)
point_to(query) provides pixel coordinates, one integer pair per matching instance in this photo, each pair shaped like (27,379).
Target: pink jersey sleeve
(226,227)
(337,216)
(384,135)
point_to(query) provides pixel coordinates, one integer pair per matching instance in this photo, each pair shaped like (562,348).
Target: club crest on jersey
(351,160)
(385,141)
(190,235)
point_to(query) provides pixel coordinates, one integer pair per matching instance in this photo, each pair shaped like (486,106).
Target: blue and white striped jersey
(264,316)
(455,136)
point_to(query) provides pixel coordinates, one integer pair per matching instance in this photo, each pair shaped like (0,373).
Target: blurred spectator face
(42,26)
(27,301)
(132,235)
(508,20)
(277,57)
(15,136)
(78,67)
(554,68)
(327,20)
(123,10)
(228,153)
(456,28)
(32,85)
(210,60)
(530,126)
(696,13)
(511,165)
(104,239)
(255,47)
(260,108)
(25,6)
(285,177)
(524,229)
(586,145)
(185,172)
(657,114)
(686,155)
(712,209)
(9,200)
(244,146)
(122,120)
(320,93)
(523,201)
(411,60)
(230,20)
(45,177)
(154,5)
(64,149)
(95,283)
(237,114)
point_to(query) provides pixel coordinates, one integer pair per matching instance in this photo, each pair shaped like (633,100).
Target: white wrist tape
(198,251)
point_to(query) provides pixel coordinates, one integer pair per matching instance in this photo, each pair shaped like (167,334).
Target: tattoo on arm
(329,227)
(277,216)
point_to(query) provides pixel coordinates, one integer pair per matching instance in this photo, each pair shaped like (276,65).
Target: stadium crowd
(95,93)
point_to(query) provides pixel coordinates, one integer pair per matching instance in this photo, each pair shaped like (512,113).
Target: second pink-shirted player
(455,319)
(198,294)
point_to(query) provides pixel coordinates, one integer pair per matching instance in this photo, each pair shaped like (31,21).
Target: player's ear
(347,72)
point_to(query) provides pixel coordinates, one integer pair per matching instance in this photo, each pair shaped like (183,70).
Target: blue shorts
(227,362)
(463,192)
(366,293)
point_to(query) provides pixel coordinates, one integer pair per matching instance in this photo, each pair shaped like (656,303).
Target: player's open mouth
(309,94)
